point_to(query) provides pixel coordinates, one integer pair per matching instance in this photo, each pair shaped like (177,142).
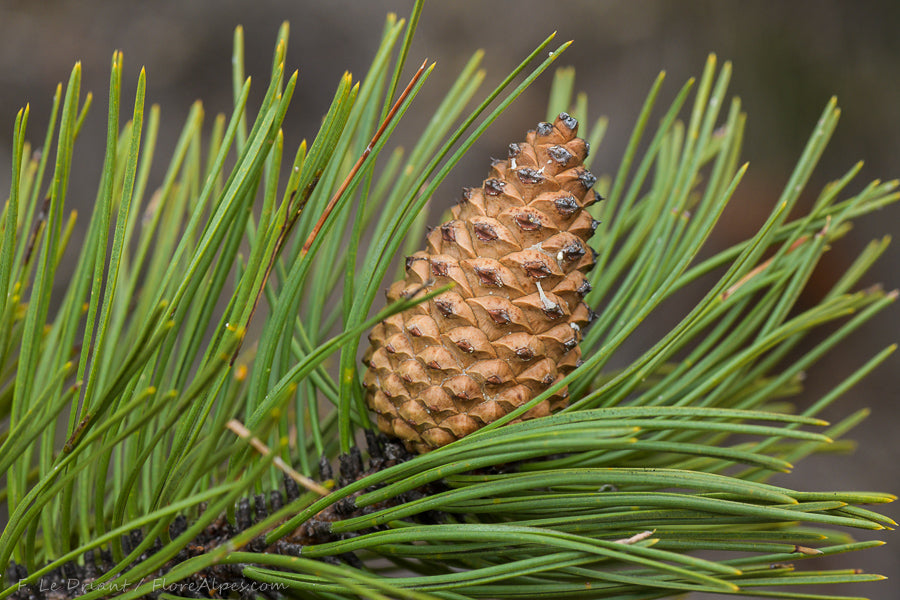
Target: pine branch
(116,396)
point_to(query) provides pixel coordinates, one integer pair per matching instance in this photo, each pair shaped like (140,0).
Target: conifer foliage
(149,443)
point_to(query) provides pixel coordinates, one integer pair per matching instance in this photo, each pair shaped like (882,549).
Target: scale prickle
(516,250)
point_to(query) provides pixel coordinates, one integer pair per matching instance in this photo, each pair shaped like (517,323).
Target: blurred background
(789,58)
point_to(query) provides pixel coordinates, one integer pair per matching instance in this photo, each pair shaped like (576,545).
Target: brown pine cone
(516,250)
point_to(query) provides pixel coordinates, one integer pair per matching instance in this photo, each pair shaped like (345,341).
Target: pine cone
(516,250)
